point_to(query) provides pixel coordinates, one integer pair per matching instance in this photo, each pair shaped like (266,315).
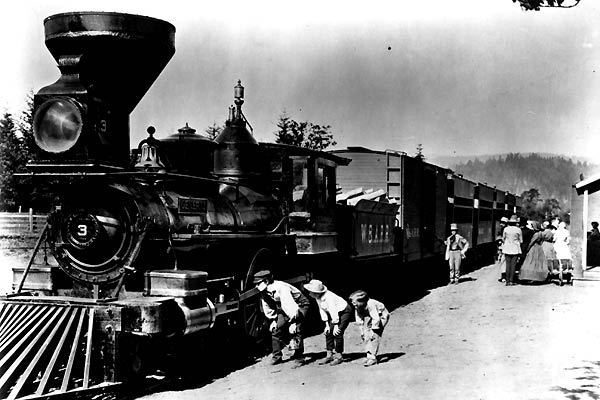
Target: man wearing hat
(512,237)
(456,248)
(285,307)
(337,314)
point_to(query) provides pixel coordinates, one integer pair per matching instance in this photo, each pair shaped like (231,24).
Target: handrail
(32,259)
(159,175)
(281,222)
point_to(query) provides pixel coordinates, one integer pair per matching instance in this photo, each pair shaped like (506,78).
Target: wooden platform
(590,274)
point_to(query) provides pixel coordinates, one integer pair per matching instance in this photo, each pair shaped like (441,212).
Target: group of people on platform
(527,251)
(533,251)
(286,308)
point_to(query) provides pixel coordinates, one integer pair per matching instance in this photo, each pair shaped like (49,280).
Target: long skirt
(562,250)
(534,266)
(549,251)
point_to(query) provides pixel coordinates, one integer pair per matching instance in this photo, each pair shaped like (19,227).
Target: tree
(290,131)
(12,160)
(213,131)
(536,5)
(33,194)
(532,204)
(304,134)
(419,155)
(25,125)
(319,137)
(551,208)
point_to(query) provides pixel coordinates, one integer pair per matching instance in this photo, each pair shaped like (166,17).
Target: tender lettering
(375,233)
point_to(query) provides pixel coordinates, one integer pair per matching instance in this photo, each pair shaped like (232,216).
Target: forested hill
(553,176)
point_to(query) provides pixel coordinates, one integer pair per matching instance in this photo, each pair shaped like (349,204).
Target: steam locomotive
(165,246)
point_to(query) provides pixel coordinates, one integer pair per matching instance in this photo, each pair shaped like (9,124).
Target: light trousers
(454,262)
(372,340)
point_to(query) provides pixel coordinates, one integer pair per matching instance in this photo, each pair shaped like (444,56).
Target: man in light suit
(456,248)
(512,237)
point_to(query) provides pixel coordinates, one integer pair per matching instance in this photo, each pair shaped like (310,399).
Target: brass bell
(149,149)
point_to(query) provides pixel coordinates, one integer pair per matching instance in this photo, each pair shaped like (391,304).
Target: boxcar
(419,188)
(484,209)
(461,202)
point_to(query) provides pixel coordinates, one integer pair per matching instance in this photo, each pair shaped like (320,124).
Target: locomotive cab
(304,180)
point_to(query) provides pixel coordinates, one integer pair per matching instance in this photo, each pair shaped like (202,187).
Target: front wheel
(254,322)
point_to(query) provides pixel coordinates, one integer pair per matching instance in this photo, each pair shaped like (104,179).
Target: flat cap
(261,275)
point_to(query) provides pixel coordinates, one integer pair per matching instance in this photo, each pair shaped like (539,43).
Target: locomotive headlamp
(107,63)
(57,125)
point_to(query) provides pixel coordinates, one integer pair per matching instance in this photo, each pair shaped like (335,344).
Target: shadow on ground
(586,376)
(314,357)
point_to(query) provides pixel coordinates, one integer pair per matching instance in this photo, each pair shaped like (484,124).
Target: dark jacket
(527,235)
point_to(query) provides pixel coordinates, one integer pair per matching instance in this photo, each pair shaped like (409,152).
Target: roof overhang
(290,150)
(591,184)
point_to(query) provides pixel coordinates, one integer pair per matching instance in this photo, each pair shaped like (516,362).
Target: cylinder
(199,315)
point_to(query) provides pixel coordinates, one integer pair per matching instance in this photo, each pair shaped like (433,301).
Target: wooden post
(31,220)
(584,238)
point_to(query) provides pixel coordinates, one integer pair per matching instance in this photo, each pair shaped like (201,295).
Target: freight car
(430,198)
(162,249)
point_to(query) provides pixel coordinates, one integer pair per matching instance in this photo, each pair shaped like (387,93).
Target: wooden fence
(20,224)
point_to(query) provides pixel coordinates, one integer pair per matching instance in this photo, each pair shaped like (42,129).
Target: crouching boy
(286,307)
(337,314)
(372,317)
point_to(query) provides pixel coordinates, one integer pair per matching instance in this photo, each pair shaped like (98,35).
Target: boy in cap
(285,307)
(337,314)
(456,248)
(372,316)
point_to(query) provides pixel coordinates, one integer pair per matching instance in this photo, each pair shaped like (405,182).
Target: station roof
(591,184)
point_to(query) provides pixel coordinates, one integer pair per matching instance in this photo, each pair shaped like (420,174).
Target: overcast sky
(459,76)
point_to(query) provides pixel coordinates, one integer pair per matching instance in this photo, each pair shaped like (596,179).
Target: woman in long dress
(548,247)
(534,266)
(562,238)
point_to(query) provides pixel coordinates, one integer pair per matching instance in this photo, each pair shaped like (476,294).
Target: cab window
(300,184)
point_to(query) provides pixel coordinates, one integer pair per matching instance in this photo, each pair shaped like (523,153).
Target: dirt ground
(475,340)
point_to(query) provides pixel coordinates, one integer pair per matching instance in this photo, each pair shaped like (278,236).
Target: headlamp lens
(57,125)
